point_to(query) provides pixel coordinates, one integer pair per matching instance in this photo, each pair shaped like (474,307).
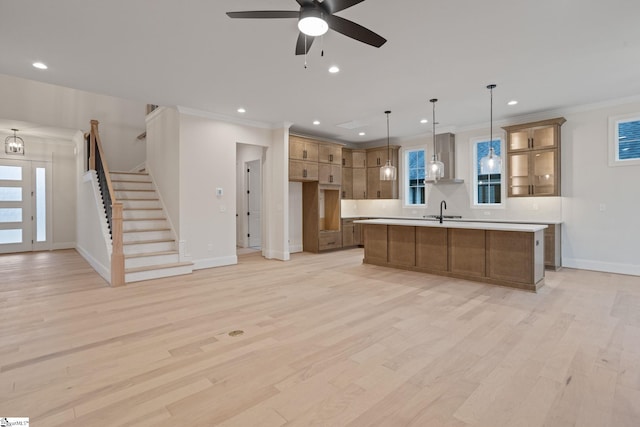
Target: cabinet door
(359,183)
(303,171)
(347,233)
(373,183)
(296,148)
(329,174)
(544,178)
(359,158)
(544,137)
(518,140)
(389,189)
(376,157)
(347,183)
(519,184)
(330,153)
(347,158)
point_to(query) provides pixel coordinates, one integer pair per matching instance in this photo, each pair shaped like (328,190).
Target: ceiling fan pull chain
(322,45)
(305,51)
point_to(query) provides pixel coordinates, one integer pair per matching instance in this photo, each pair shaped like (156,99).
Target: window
(414,178)
(487,186)
(624,144)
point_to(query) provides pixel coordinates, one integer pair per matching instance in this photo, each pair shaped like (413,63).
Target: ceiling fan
(315,18)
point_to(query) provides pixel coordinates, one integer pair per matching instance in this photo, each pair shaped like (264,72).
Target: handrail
(113,208)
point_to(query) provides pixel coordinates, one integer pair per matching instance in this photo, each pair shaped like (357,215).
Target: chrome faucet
(445,206)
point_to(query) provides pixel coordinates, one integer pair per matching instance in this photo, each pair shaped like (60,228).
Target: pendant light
(491,163)
(14,144)
(435,170)
(388,172)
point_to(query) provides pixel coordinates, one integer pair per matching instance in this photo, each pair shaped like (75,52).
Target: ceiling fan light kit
(315,18)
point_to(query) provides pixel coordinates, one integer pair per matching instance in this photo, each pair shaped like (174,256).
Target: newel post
(117,255)
(92,144)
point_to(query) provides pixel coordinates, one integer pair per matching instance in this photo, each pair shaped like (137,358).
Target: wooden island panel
(402,245)
(510,256)
(467,252)
(375,247)
(431,248)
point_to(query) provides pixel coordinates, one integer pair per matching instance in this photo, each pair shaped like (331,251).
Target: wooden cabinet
(533,158)
(375,244)
(320,217)
(431,248)
(354,174)
(552,247)
(348,233)
(377,189)
(329,173)
(467,252)
(303,171)
(330,153)
(301,148)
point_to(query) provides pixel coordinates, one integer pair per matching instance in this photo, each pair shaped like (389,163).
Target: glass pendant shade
(436,169)
(388,172)
(490,164)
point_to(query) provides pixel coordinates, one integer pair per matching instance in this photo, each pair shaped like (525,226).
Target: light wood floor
(327,341)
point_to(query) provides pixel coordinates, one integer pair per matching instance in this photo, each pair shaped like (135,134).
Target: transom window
(414,177)
(487,186)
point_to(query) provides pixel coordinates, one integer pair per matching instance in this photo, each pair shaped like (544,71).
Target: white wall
(244,153)
(295,217)
(46,105)
(591,238)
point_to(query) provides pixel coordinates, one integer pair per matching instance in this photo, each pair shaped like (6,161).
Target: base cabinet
(508,258)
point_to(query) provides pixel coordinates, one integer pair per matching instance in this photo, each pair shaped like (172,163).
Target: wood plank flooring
(327,341)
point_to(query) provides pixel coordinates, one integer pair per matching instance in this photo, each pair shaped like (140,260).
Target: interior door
(15,206)
(254,204)
(25,203)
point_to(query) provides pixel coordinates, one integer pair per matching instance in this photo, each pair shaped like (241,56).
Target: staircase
(149,245)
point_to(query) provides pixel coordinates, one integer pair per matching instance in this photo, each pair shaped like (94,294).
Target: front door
(24,188)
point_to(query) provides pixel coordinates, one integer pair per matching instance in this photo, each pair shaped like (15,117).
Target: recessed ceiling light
(316,122)
(362,134)
(334,69)
(423,121)
(241,110)
(40,65)
(513,102)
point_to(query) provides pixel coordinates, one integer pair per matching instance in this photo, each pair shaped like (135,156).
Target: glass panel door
(41,202)
(15,206)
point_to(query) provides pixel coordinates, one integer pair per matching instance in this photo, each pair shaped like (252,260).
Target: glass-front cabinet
(533,153)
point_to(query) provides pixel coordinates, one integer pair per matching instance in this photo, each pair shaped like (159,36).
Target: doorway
(25,188)
(254,203)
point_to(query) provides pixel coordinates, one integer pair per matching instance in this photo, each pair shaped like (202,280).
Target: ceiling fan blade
(334,6)
(300,45)
(355,31)
(265,14)
(304,2)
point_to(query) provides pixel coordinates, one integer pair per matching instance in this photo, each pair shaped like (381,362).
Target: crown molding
(224,118)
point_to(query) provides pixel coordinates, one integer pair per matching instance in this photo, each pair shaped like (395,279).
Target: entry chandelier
(14,144)
(436,167)
(388,172)
(491,163)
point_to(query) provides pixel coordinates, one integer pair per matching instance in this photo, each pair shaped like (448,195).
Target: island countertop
(494,226)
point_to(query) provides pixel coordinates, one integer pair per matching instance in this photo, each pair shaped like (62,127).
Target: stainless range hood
(446,151)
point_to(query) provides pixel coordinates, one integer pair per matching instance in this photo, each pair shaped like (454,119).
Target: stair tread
(142,255)
(144,219)
(133,182)
(128,173)
(142,209)
(134,189)
(157,267)
(142,242)
(144,230)
(128,199)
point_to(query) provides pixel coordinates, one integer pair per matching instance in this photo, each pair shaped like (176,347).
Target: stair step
(131,181)
(143,236)
(157,267)
(141,242)
(168,270)
(128,173)
(136,204)
(130,176)
(150,254)
(145,219)
(149,259)
(148,246)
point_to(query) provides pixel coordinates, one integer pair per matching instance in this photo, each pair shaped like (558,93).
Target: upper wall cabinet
(377,189)
(533,158)
(330,153)
(301,148)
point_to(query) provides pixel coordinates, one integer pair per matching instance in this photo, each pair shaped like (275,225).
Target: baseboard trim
(214,262)
(279,255)
(102,270)
(606,267)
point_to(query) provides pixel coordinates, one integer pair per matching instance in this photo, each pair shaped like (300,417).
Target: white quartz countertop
(481,220)
(530,228)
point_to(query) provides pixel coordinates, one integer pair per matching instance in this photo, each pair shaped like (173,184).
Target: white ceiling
(547,54)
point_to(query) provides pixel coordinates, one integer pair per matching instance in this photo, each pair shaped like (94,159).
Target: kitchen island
(504,254)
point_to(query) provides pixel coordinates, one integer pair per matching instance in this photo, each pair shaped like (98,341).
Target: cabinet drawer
(330,240)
